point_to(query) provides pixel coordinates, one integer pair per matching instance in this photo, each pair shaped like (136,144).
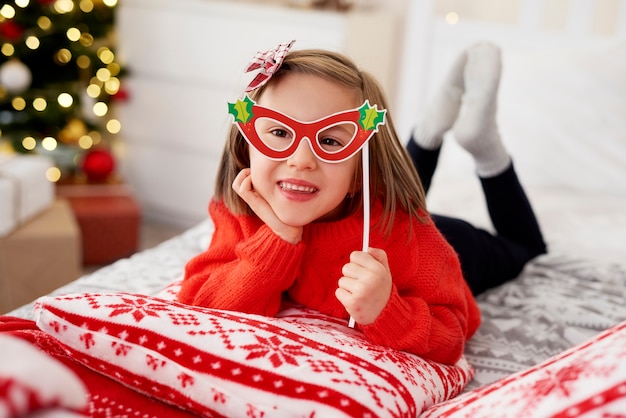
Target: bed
(552,341)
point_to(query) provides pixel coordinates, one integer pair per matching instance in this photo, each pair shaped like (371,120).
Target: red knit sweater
(431,311)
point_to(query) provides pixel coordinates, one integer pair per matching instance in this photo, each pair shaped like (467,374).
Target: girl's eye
(329,143)
(280,133)
(336,137)
(274,134)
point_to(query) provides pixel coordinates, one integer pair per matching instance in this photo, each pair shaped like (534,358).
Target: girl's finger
(240,178)
(379,255)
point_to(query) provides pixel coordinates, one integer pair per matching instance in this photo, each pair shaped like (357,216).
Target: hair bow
(269,62)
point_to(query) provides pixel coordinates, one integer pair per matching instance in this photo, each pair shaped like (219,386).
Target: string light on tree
(59,79)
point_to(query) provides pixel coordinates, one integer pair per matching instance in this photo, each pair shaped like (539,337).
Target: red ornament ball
(98,164)
(11,30)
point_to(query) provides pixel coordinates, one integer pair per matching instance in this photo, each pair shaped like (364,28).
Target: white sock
(443,109)
(476,129)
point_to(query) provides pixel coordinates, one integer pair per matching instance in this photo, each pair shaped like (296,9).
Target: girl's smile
(303,189)
(297,189)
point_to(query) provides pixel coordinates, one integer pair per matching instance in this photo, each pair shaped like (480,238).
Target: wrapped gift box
(24,189)
(109,219)
(39,256)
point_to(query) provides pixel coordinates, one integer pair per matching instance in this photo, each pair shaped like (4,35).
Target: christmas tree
(59,78)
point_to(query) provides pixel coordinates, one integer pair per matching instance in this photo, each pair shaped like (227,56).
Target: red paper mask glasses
(332,139)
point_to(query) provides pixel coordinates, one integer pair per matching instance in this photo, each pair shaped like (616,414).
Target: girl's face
(303,189)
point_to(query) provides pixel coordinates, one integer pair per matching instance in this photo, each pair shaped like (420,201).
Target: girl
(287,219)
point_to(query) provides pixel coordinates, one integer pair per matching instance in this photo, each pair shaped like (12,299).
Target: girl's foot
(476,129)
(443,108)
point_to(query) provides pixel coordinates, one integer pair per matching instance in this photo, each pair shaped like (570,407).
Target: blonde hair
(393,178)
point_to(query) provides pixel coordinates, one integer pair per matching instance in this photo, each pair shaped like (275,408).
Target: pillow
(586,380)
(31,381)
(171,290)
(211,361)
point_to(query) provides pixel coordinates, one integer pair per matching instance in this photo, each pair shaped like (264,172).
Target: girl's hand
(243,186)
(365,287)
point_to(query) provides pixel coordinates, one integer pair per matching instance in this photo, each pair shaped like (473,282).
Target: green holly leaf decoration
(241,109)
(371,117)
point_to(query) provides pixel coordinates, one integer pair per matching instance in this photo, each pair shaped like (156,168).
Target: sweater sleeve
(245,268)
(431,311)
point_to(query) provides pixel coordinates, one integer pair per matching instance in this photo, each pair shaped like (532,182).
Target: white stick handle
(365,159)
(366,197)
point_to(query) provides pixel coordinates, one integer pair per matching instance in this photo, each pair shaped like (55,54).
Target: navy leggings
(487,259)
